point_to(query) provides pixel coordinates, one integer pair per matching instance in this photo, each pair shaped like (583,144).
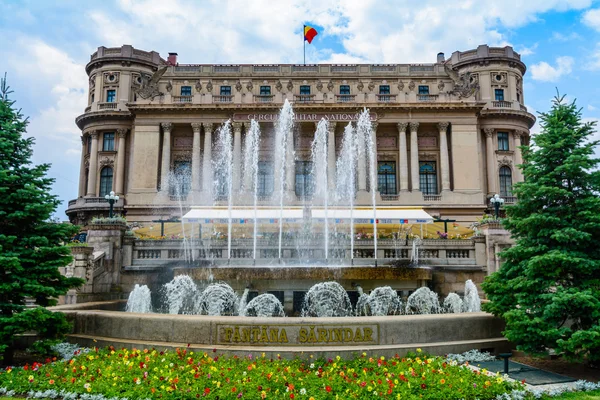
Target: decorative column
(414,156)
(444,156)
(166,156)
(519,135)
(373,177)
(490,160)
(207,177)
(237,156)
(196,127)
(82,189)
(120,181)
(331,168)
(403,157)
(93,172)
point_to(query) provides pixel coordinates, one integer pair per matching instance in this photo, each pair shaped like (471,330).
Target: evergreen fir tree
(31,245)
(548,288)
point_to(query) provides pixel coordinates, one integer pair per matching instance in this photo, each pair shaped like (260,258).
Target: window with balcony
(111,96)
(505,182)
(428,177)
(225,90)
(386,177)
(265,90)
(265,179)
(106,181)
(344,89)
(304,183)
(186,90)
(503,141)
(305,90)
(181,179)
(108,141)
(384,89)
(499,94)
(423,89)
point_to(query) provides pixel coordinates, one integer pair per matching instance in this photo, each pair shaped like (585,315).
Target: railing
(345,98)
(432,197)
(457,253)
(175,254)
(222,99)
(304,98)
(510,199)
(502,104)
(426,253)
(182,99)
(148,254)
(386,98)
(360,253)
(142,54)
(422,68)
(187,68)
(230,69)
(344,68)
(72,202)
(263,98)
(89,200)
(427,97)
(181,197)
(88,109)
(264,197)
(107,106)
(389,197)
(265,68)
(523,108)
(305,68)
(383,68)
(395,253)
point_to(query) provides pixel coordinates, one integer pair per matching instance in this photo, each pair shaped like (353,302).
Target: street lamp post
(111,198)
(497,202)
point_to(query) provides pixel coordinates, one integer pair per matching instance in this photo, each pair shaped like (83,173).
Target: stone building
(447,133)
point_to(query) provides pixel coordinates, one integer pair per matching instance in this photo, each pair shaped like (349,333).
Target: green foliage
(31,249)
(548,289)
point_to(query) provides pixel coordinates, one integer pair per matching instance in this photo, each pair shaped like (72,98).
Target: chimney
(440,58)
(172,59)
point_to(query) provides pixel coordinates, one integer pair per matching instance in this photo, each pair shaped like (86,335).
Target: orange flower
(442,381)
(51,381)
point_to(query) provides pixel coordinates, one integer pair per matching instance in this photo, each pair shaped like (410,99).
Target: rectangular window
(386,177)
(265,178)
(428,177)
(423,89)
(92,98)
(499,94)
(344,89)
(225,90)
(181,180)
(110,96)
(265,90)
(305,90)
(304,185)
(503,141)
(108,141)
(384,89)
(186,90)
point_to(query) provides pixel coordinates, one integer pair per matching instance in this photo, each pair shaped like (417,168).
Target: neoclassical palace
(447,133)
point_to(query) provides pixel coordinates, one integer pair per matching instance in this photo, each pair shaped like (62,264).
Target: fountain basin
(288,337)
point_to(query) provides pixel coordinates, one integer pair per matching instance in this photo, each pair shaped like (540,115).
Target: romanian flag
(309,33)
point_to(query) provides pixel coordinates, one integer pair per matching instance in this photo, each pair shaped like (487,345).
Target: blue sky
(46,44)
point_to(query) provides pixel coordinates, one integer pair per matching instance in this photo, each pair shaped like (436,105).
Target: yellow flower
(382,358)
(337,358)
(419,350)
(369,389)
(311,398)
(499,380)
(30,377)
(89,389)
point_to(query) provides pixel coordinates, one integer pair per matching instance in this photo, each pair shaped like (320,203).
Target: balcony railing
(304,98)
(263,98)
(389,197)
(427,97)
(509,199)
(502,104)
(386,98)
(222,99)
(88,108)
(523,108)
(432,197)
(229,69)
(345,98)
(265,68)
(107,106)
(305,68)
(182,99)
(344,68)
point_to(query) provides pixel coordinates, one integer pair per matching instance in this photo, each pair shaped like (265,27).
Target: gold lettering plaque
(297,334)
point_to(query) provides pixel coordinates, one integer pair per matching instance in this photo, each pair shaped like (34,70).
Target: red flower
(292,395)
(328,388)
(233,389)
(207,390)
(423,386)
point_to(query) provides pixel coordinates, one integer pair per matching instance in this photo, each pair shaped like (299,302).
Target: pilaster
(444,156)
(414,156)
(490,160)
(120,179)
(403,156)
(237,156)
(196,127)
(93,170)
(166,156)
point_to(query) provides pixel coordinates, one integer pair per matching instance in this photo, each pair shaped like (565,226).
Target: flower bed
(187,375)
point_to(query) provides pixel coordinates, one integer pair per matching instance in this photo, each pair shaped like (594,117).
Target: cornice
(509,113)
(88,117)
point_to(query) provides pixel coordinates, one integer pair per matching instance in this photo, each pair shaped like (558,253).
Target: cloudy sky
(46,44)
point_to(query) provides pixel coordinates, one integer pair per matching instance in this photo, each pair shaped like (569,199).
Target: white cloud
(545,72)
(593,62)
(591,18)
(559,37)
(591,107)
(526,51)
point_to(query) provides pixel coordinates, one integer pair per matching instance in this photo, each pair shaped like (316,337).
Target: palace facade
(447,133)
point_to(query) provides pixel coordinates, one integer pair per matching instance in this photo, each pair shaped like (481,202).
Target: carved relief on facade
(465,85)
(198,86)
(238,86)
(136,79)
(183,141)
(149,89)
(499,79)
(360,86)
(330,85)
(92,81)
(320,86)
(249,86)
(441,85)
(371,86)
(111,77)
(505,162)
(278,86)
(209,87)
(290,86)
(106,162)
(427,141)
(427,156)
(389,142)
(400,86)
(169,86)
(411,86)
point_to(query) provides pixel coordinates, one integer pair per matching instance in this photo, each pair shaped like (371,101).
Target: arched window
(106,181)
(505,181)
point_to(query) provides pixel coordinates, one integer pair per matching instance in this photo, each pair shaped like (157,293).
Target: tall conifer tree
(31,245)
(548,288)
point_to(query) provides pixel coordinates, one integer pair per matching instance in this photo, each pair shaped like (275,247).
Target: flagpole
(304,43)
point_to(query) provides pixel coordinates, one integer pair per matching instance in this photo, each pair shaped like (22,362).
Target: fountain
(423,301)
(326,299)
(139,300)
(217,299)
(382,301)
(346,177)
(319,172)
(223,167)
(472,302)
(180,295)
(453,304)
(250,170)
(264,305)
